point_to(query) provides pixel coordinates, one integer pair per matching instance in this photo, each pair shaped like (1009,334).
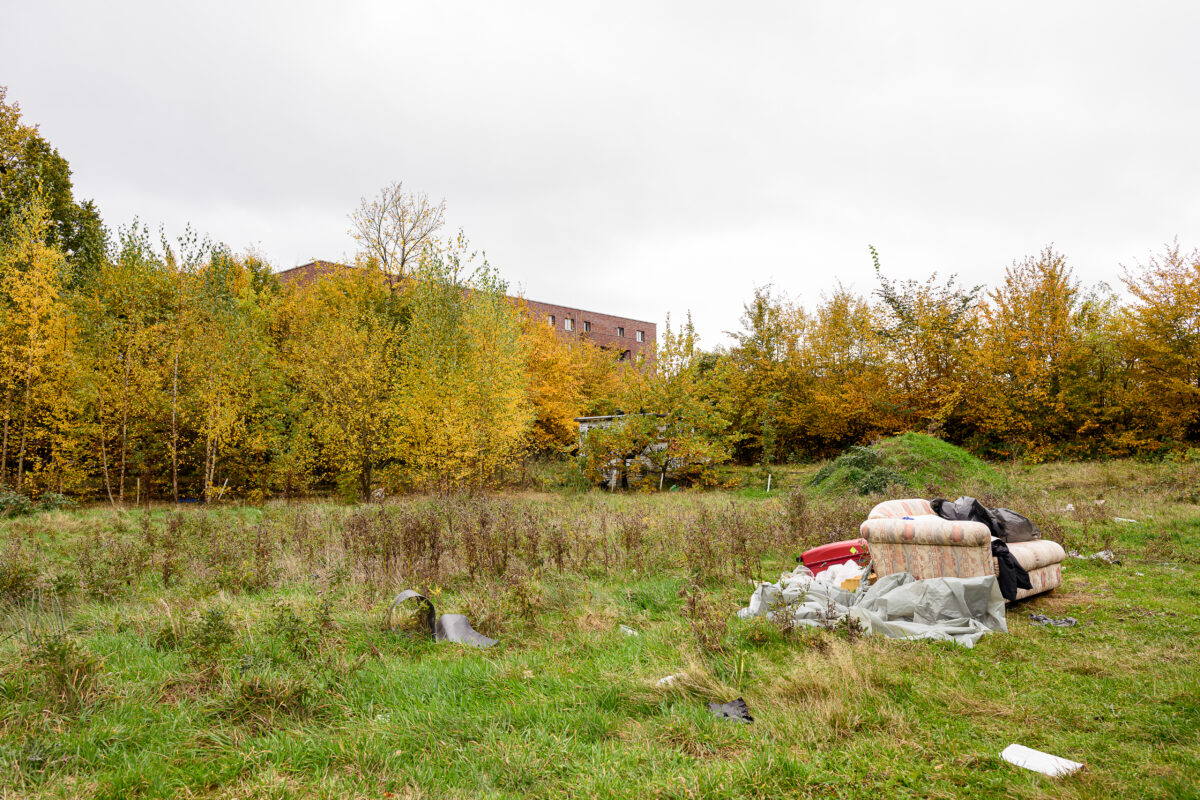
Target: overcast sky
(639,158)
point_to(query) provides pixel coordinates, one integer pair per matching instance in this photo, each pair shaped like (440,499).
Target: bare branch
(395,227)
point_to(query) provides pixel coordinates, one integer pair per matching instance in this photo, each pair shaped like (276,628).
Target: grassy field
(242,652)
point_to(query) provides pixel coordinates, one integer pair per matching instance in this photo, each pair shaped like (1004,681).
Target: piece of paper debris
(1038,761)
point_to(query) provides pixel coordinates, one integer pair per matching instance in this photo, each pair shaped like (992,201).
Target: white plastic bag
(1038,761)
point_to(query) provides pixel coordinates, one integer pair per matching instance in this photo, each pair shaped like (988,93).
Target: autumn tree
(342,354)
(677,417)
(231,366)
(461,390)
(567,378)
(927,328)
(843,375)
(1163,342)
(34,340)
(396,228)
(32,170)
(1040,386)
(759,381)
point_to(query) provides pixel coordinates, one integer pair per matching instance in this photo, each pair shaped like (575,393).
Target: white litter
(1070,507)
(1038,761)
(1107,556)
(836,573)
(628,631)
(670,679)
(1123,519)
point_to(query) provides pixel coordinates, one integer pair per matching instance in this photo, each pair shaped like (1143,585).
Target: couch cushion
(1037,553)
(926,529)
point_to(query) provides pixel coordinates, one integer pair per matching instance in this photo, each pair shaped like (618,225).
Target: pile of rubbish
(897,606)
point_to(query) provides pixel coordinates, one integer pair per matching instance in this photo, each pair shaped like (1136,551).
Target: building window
(620,331)
(641,336)
(568,324)
(550,320)
(587,326)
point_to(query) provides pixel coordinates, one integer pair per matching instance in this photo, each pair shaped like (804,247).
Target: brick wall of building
(607,330)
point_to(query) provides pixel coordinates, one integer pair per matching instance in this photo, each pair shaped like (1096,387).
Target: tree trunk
(4,448)
(104,453)
(175,428)
(124,427)
(209,467)
(25,419)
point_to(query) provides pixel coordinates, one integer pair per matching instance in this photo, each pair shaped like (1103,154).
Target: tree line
(137,367)
(1038,367)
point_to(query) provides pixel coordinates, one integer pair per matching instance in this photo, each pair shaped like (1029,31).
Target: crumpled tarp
(896,606)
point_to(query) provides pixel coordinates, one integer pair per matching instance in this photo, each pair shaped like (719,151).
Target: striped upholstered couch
(927,546)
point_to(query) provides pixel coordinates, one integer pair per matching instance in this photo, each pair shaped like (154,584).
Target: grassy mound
(914,461)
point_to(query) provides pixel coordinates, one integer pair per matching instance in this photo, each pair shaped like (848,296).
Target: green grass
(912,461)
(294,689)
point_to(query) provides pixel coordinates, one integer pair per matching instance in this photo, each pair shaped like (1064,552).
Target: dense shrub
(13,503)
(861,469)
(68,672)
(18,577)
(16,504)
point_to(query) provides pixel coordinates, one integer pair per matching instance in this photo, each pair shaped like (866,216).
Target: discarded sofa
(907,536)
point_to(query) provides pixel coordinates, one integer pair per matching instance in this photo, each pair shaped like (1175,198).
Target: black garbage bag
(1004,523)
(1015,527)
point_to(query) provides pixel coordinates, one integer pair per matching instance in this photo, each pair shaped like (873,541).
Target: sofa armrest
(912,507)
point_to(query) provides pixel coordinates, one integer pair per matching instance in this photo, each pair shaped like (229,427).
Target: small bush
(210,634)
(53,501)
(710,626)
(68,671)
(18,577)
(259,699)
(13,503)
(109,565)
(861,469)
(64,584)
(303,636)
(796,514)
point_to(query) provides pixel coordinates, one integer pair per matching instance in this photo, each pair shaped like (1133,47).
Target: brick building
(631,338)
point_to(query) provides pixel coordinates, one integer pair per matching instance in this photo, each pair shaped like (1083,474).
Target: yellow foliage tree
(841,360)
(1163,343)
(342,353)
(35,348)
(461,393)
